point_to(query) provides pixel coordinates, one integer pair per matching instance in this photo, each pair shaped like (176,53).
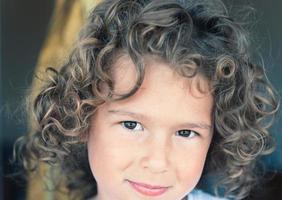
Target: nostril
(155,161)
(157,165)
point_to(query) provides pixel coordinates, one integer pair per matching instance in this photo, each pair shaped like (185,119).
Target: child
(154,95)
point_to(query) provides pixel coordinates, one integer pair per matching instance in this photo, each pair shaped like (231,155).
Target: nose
(156,152)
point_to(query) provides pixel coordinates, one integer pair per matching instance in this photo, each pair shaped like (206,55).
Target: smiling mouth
(148,190)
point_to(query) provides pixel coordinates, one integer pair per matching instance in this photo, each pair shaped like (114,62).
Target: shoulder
(200,195)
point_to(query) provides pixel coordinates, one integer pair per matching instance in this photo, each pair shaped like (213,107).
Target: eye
(132,125)
(186,133)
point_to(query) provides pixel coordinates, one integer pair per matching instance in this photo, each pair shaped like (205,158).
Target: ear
(84,137)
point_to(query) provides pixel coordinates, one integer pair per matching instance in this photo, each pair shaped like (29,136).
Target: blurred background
(24,26)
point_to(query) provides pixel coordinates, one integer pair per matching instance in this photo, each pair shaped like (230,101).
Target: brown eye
(186,133)
(132,125)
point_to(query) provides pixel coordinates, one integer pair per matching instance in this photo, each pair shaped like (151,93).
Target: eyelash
(141,129)
(123,125)
(194,133)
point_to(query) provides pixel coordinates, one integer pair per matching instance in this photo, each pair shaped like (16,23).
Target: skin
(152,150)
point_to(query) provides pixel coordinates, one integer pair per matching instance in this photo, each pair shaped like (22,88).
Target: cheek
(107,155)
(189,167)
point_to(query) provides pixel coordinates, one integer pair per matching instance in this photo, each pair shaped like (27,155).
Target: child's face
(147,146)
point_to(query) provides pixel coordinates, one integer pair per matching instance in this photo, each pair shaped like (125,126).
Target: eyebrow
(201,125)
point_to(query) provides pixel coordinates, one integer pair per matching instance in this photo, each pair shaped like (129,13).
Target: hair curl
(194,37)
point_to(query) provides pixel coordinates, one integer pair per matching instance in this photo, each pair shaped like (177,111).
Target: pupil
(130,125)
(184,133)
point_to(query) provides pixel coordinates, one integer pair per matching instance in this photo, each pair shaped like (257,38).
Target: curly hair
(194,37)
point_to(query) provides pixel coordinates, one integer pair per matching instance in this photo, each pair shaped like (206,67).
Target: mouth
(148,190)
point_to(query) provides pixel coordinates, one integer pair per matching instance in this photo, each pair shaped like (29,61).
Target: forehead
(157,71)
(163,93)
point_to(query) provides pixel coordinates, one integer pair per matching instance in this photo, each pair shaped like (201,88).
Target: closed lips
(146,189)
